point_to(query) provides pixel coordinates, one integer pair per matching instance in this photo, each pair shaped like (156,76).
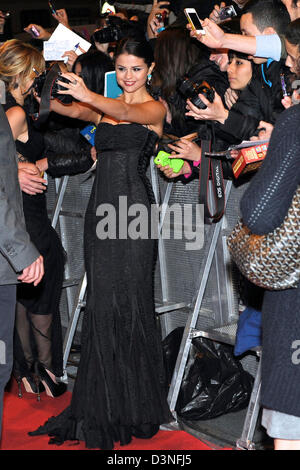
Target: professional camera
(115,30)
(191,90)
(47,83)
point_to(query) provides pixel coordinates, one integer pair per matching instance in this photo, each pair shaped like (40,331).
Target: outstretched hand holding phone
(194,20)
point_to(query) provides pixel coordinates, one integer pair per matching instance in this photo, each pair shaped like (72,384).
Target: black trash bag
(214,382)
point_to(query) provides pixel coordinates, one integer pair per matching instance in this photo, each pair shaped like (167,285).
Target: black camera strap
(44,108)
(210,167)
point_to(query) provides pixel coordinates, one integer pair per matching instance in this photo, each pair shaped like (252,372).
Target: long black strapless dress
(120,389)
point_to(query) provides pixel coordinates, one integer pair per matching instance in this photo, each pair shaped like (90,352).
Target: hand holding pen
(72,55)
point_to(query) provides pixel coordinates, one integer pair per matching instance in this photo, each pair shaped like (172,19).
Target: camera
(191,90)
(115,30)
(50,80)
(227,12)
(161,16)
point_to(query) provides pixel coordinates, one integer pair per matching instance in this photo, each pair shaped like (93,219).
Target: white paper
(55,50)
(61,33)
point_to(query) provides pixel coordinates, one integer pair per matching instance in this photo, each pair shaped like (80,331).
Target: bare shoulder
(17,120)
(16,114)
(156,107)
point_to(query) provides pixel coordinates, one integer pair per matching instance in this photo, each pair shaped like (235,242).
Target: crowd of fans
(245,60)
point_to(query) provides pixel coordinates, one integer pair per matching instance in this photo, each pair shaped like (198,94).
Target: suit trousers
(7,320)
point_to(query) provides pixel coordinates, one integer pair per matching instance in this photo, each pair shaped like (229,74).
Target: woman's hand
(214,111)
(30,179)
(231,97)
(42,164)
(265,132)
(186,150)
(169,172)
(76,88)
(287,102)
(72,56)
(44,35)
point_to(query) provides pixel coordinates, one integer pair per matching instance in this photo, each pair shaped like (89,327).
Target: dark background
(80,12)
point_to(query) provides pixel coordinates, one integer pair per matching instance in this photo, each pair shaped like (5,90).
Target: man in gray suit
(19,259)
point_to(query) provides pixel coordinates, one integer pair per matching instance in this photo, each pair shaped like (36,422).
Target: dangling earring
(149,77)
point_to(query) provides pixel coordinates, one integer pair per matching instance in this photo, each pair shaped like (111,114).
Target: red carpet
(21,415)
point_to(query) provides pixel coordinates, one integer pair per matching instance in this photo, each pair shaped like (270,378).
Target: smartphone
(194,20)
(52,7)
(34,32)
(111,87)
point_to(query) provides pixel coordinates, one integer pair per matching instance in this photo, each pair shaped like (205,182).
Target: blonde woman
(38,339)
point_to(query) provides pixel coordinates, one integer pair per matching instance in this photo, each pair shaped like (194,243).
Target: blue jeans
(7,320)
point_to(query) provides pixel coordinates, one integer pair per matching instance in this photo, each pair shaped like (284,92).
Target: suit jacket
(16,250)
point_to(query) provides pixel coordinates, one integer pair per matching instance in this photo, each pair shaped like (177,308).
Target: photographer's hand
(214,112)
(152,22)
(186,150)
(214,16)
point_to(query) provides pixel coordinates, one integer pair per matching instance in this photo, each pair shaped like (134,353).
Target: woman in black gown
(38,335)
(120,389)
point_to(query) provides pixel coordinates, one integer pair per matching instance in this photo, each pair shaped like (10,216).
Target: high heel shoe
(31,383)
(53,389)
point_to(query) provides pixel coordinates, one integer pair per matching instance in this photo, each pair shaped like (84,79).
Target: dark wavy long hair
(292,35)
(174,54)
(94,65)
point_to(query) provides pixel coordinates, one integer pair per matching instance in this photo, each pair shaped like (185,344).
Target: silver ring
(74,82)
